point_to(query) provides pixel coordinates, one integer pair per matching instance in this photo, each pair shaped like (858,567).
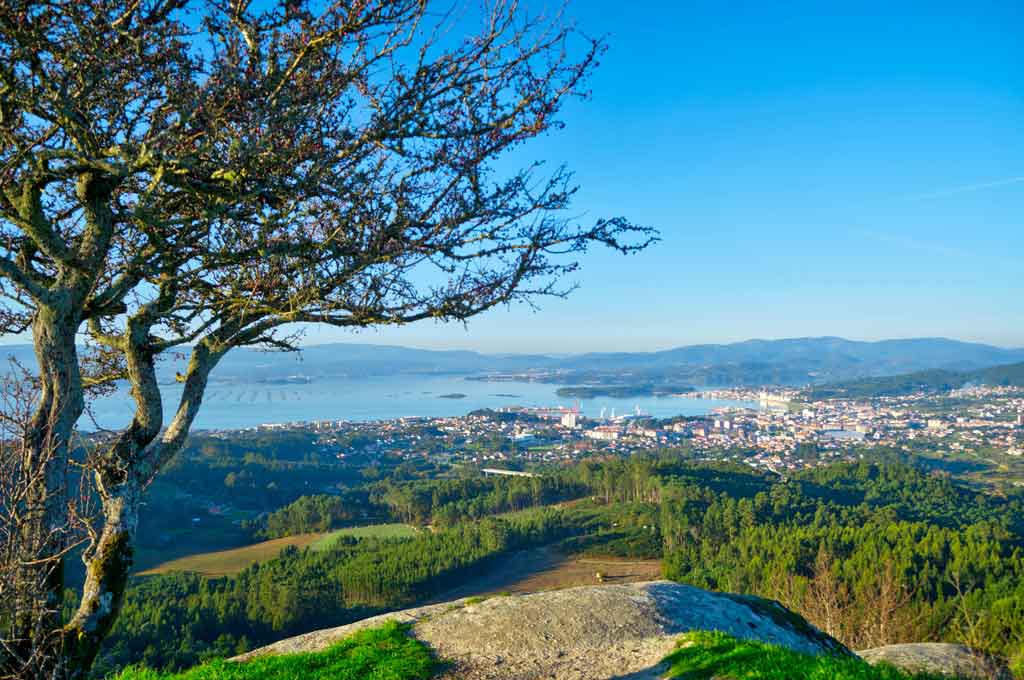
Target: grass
(372,531)
(226,562)
(706,656)
(214,533)
(477,599)
(385,653)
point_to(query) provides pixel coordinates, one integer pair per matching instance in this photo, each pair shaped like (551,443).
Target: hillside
(1010,375)
(829,354)
(711,525)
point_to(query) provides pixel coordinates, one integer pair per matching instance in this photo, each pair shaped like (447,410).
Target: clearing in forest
(227,562)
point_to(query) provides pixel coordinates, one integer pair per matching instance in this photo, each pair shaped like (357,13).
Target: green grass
(385,653)
(372,531)
(707,656)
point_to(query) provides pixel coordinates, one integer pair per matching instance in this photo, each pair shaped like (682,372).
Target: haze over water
(231,406)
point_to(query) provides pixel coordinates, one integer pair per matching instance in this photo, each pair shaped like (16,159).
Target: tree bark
(122,474)
(47,451)
(108,568)
(109,561)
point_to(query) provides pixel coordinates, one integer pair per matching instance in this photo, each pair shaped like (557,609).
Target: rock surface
(587,633)
(937,657)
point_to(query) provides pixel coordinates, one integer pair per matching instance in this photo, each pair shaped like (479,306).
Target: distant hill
(1010,375)
(353,360)
(826,355)
(795,361)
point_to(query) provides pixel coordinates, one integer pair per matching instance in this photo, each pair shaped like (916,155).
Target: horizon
(679,346)
(5,341)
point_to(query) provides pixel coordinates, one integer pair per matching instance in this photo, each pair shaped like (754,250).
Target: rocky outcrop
(587,633)
(942,658)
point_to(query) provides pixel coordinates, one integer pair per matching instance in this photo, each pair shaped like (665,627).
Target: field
(569,572)
(214,534)
(374,531)
(225,562)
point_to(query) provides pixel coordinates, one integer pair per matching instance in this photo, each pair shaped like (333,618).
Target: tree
(24,588)
(204,174)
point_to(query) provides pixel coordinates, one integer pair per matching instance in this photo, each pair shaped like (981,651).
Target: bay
(238,405)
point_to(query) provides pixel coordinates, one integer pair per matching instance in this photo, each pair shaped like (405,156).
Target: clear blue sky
(813,170)
(818,168)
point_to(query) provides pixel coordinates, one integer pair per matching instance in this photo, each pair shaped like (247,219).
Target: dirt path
(542,569)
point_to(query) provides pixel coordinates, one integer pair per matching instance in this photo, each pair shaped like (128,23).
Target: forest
(873,553)
(934,380)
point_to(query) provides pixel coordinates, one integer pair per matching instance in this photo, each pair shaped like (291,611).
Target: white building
(608,433)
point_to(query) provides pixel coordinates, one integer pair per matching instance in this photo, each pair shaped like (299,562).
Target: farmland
(371,531)
(226,562)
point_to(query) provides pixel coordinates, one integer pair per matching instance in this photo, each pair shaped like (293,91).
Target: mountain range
(789,361)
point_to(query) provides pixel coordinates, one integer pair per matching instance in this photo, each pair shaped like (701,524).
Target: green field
(372,531)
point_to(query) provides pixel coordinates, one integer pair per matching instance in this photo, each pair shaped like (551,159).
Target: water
(231,406)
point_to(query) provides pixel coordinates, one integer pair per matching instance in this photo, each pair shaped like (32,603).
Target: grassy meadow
(371,531)
(227,562)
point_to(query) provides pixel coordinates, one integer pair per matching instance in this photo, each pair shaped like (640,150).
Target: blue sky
(823,168)
(818,168)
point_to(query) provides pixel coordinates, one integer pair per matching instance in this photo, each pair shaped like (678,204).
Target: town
(779,431)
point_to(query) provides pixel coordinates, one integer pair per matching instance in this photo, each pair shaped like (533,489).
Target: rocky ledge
(614,632)
(936,657)
(587,633)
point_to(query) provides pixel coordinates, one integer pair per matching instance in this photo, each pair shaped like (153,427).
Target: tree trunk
(109,561)
(108,567)
(122,474)
(45,533)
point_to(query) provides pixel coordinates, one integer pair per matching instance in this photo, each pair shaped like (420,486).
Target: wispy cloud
(967,188)
(915,245)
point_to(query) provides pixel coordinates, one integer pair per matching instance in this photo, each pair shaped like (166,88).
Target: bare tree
(827,599)
(25,591)
(204,174)
(881,612)
(888,615)
(969,621)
